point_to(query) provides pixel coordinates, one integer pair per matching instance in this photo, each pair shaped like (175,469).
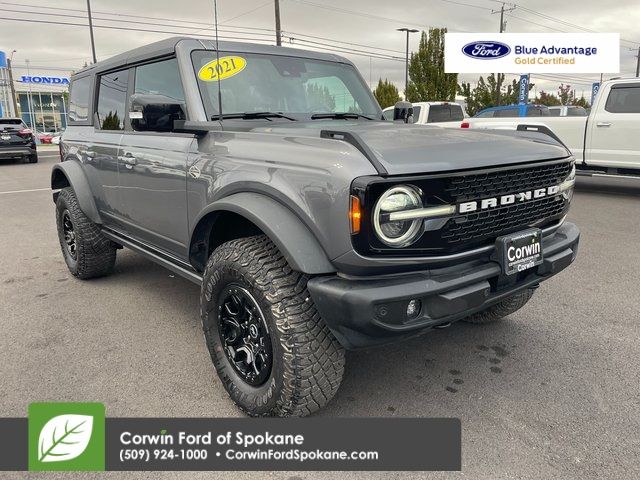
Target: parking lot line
(25,191)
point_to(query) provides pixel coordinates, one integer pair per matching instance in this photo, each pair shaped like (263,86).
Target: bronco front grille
(481,185)
(475,227)
(465,231)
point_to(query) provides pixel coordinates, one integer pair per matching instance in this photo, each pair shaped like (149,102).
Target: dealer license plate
(5,137)
(520,251)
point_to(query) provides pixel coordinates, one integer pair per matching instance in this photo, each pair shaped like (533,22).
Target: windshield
(295,87)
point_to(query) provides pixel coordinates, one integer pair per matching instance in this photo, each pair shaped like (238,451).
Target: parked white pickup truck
(607,141)
(447,114)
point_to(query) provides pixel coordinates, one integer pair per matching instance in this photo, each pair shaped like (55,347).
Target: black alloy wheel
(69,234)
(244,335)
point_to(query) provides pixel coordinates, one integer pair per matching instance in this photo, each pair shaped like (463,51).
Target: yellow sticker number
(222,68)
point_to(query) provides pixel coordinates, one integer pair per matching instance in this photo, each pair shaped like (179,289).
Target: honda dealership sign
(532,52)
(45,80)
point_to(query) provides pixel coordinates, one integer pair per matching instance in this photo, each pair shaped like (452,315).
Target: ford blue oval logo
(486,50)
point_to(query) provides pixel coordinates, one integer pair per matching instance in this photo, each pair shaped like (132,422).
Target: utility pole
(502,28)
(638,63)
(278,29)
(11,86)
(406,58)
(93,44)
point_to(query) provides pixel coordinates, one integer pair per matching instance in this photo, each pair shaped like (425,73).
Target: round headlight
(397,233)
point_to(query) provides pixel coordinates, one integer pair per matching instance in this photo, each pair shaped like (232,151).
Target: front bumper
(369,311)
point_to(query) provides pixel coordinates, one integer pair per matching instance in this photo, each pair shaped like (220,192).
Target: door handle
(603,124)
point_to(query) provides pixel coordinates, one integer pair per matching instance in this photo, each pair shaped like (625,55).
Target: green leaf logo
(64,437)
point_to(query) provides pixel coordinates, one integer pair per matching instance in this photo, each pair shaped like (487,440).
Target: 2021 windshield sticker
(221,68)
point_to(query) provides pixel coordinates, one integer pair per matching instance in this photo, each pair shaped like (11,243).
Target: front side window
(79,99)
(297,87)
(624,100)
(112,100)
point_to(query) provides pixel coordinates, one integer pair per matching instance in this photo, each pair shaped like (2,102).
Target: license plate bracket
(519,251)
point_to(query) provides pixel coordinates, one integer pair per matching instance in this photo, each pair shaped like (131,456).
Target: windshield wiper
(339,115)
(254,115)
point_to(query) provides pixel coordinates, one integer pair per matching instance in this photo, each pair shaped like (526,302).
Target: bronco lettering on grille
(504,200)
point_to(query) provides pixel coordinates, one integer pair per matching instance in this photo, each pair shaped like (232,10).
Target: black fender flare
(69,173)
(285,229)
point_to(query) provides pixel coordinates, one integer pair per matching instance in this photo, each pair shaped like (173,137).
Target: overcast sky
(369,23)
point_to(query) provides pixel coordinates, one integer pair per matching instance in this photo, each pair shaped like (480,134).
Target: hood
(405,149)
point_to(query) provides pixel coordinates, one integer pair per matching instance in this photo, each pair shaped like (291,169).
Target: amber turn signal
(355,214)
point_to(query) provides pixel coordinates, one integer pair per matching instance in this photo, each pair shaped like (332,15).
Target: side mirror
(155,113)
(403,111)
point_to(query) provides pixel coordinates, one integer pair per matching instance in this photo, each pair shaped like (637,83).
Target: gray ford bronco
(268,176)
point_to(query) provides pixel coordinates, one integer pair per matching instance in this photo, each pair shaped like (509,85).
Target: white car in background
(607,142)
(443,114)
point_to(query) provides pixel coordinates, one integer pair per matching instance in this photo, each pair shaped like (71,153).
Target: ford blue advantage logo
(486,50)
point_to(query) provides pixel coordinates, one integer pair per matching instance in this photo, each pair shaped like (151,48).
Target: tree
(548,99)
(319,97)
(582,102)
(565,94)
(484,94)
(386,93)
(427,80)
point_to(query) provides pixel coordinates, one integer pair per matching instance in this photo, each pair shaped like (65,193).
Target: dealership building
(41,94)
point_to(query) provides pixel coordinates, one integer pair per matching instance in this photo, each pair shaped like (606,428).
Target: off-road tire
(32,158)
(307,361)
(95,254)
(502,309)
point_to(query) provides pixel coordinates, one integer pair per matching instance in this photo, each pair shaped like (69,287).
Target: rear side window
(554,112)
(112,99)
(79,100)
(576,112)
(388,114)
(488,114)
(624,100)
(445,113)
(416,113)
(507,112)
(11,124)
(160,78)
(538,112)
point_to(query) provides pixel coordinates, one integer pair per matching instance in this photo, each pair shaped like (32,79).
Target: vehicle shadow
(608,186)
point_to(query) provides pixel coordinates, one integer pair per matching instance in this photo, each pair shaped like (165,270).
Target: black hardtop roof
(168,46)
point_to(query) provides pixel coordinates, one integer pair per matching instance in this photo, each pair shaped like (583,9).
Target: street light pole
(406,58)
(638,63)
(93,44)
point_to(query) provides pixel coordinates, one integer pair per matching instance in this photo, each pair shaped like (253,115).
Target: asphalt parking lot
(553,392)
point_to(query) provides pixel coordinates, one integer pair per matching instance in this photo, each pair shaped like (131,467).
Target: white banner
(532,52)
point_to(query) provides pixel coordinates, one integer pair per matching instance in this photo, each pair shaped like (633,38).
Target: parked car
(567,111)
(604,143)
(55,139)
(16,140)
(44,137)
(525,110)
(433,112)
(309,232)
